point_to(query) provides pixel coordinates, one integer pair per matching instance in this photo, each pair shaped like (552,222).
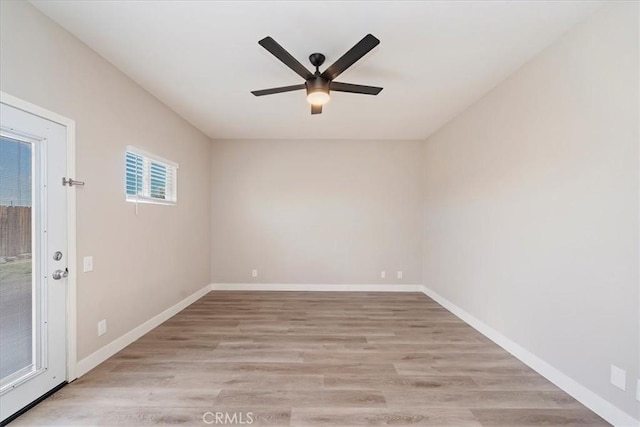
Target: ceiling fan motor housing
(317,84)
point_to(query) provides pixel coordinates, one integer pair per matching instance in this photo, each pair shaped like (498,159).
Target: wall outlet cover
(400,275)
(619,377)
(638,390)
(254,273)
(383,274)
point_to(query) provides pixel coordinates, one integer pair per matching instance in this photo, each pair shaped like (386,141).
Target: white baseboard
(398,287)
(88,363)
(591,400)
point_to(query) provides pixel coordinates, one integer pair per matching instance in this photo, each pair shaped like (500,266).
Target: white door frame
(70,126)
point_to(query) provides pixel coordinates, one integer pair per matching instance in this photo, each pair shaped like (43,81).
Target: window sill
(151,201)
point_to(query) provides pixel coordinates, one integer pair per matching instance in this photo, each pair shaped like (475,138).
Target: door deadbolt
(57,256)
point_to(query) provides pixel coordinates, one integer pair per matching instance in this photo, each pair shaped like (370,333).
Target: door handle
(60,274)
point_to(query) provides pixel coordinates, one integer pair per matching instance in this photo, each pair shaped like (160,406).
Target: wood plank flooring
(312,359)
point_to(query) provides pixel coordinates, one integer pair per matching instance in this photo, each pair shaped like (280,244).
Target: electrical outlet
(399,275)
(102,327)
(383,274)
(254,273)
(619,377)
(638,390)
(87,264)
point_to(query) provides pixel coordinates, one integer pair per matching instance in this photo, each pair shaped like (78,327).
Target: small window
(150,178)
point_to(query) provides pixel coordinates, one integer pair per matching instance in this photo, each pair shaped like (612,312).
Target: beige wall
(138,272)
(309,211)
(531,205)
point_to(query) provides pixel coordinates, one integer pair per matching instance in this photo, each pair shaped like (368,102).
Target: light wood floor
(313,359)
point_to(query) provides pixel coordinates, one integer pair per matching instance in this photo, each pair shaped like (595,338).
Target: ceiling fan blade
(348,59)
(348,87)
(316,109)
(279,52)
(277,90)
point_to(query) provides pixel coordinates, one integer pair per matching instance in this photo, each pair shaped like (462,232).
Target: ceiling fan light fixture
(318,97)
(317,91)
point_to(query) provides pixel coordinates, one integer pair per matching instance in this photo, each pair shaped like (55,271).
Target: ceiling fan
(319,85)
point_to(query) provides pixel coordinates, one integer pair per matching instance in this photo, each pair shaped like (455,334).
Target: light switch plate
(102,327)
(619,377)
(87,264)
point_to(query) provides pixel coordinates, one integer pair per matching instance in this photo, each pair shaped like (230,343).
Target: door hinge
(71,182)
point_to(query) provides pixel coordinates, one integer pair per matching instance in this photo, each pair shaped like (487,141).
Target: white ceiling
(202,58)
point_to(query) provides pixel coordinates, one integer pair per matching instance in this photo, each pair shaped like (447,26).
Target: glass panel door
(33,257)
(17,290)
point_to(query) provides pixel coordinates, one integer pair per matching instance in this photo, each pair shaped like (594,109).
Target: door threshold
(32,404)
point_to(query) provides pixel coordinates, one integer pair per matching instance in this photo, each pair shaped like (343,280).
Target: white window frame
(137,198)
